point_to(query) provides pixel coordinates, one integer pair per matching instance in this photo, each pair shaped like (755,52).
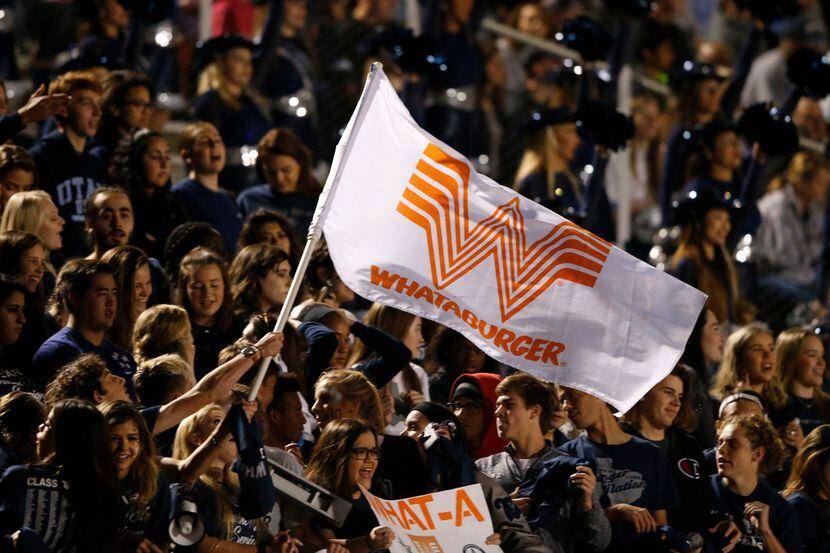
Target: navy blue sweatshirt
(322,343)
(70,178)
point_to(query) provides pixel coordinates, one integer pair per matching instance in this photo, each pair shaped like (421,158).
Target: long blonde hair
(354,386)
(728,375)
(25,212)
(392,321)
(541,157)
(184,444)
(161,329)
(787,346)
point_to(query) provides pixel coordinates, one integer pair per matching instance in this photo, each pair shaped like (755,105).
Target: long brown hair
(787,346)
(202,257)
(126,260)
(285,142)
(249,267)
(807,474)
(327,466)
(20,416)
(392,321)
(144,471)
(710,280)
(686,419)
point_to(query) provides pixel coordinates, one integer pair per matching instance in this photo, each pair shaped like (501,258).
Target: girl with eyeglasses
(346,457)
(348,394)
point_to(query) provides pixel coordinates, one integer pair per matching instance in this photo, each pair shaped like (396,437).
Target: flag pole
(315,230)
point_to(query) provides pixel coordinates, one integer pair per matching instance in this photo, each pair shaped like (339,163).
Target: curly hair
(760,433)
(184,238)
(327,466)
(79,379)
(144,471)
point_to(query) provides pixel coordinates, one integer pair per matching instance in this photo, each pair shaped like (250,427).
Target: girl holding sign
(345,458)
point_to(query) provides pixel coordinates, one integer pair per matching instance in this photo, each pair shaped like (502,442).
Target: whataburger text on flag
(410,224)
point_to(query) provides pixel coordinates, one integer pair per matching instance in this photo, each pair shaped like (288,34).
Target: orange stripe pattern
(436,200)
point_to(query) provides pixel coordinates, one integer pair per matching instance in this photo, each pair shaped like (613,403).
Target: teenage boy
(88,378)
(203,153)
(87,289)
(67,167)
(636,485)
(523,413)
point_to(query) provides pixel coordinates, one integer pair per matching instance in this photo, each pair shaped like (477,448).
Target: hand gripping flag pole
(315,230)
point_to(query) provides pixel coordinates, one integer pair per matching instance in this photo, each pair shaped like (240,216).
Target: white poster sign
(452,521)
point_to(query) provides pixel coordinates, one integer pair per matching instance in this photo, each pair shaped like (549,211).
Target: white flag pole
(315,230)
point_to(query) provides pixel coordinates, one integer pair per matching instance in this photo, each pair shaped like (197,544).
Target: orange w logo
(436,201)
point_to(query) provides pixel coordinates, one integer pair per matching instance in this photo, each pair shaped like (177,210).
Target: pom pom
(605,125)
(584,35)
(809,71)
(631,8)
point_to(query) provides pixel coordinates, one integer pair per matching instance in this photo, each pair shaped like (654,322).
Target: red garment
(486,382)
(233,16)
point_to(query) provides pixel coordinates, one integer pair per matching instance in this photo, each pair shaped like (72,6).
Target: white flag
(410,224)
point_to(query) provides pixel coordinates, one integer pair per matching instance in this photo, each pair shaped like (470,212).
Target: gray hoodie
(576,529)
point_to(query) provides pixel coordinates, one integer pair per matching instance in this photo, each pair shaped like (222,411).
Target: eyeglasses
(363,453)
(456,406)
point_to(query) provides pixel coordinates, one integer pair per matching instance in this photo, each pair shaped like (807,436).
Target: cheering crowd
(154,196)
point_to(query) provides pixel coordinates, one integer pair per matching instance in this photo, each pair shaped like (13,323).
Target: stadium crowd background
(160,165)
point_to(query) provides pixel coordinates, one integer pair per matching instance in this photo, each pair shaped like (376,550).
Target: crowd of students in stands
(142,269)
